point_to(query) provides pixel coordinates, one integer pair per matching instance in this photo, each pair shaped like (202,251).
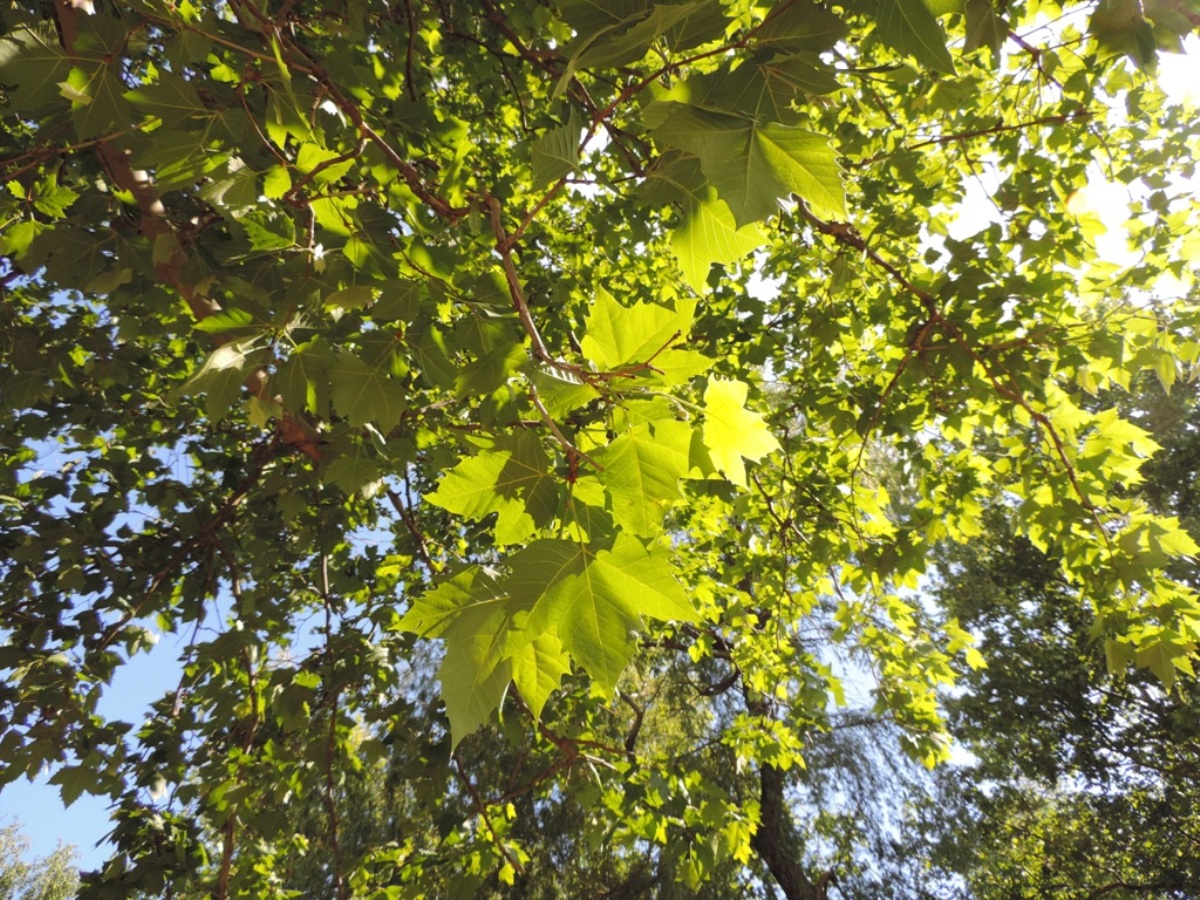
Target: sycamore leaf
(589,16)
(556,153)
(538,669)
(708,233)
(365,393)
(352,473)
(908,26)
(298,378)
(752,173)
(470,613)
(169,97)
(400,299)
(985,28)
(474,672)
(489,372)
(732,432)
(801,25)
(617,335)
(33,62)
(1159,658)
(622,46)
(766,92)
(220,378)
(436,610)
(560,395)
(512,480)
(753,166)
(642,471)
(593,601)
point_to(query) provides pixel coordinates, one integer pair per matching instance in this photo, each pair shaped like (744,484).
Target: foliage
(1083,784)
(52,877)
(591,342)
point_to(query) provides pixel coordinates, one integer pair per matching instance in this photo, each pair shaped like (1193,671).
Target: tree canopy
(622,363)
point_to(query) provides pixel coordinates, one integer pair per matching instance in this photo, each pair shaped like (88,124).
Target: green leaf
(641,470)
(731,432)
(474,673)
(594,602)
(617,336)
(1159,658)
(801,25)
(766,92)
(365,394)
(538,669)
(33,62)
(299,377)
(1118,26)
(755,166)
(220,378)
(513,481)
(985,28)
(708,233)
(556,153)
(268,232)
(169,97)
(399,300)
(624,45)
(53,200)
(432,614)
(490,372)
(352,473)
(98,103)
(908,26)
(754,173)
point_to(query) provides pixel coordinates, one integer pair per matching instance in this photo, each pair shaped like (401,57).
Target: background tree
(1083,783)
(589,342)
(53,877)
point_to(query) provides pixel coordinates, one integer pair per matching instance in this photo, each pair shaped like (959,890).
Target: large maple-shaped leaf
(593,601)
(622,335)
(707,233)
(801,25)
(33,63)
(641,470)
(537,670)
(474,672)
(625,45)
(435,611)
(766,91)
(556,153)
(754,165)
(732,432)
(300,380)
(754,171)
(366,394)
(909,27)
(512,480)
(471,614)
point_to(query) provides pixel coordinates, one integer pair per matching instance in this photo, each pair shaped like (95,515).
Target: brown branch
(407,517)
(1036,55)
(635,729)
